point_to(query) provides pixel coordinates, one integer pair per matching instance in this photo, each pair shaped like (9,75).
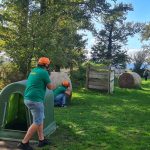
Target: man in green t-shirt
(61,93)
(34,94)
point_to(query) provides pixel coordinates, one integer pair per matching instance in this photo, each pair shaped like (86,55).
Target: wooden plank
(108,83)
(99,67)
(87,76)
(98,75)
(97,87)
(99,71)
(111,87)
(98,80)
(97,83)
(112,76)
(112,81)
(111,84)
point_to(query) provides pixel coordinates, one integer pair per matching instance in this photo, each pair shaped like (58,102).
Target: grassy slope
(97,121)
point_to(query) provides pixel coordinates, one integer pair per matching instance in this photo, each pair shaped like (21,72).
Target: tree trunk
(43,6)
(71,68)
(57,68)
(109,54)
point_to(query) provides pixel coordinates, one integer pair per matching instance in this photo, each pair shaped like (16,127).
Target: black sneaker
(57,105)
(25,146)
(43,143)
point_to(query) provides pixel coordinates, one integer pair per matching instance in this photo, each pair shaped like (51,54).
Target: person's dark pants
(145,78)
(60,100)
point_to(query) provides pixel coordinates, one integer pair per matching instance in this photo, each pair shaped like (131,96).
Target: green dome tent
(15,117)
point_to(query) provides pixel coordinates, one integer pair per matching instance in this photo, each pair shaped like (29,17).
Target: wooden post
(108,79)
(87,76)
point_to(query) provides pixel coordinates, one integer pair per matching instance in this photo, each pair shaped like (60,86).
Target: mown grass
(98,121)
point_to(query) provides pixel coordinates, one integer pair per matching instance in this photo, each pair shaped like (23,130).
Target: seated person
(61,94)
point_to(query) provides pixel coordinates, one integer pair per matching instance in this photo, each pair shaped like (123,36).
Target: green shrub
(78,77)
(9,73)
(139,71)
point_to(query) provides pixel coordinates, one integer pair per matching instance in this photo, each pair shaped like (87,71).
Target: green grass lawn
(98,121)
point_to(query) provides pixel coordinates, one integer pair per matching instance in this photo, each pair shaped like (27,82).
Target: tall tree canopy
(145,34)
(113,35)
(30,29)
(33,28)
(141,59)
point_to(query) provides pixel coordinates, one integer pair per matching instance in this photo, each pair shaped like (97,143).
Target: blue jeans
(37,111)
(60,99)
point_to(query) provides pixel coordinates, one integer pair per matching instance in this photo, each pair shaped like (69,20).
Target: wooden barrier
(100,78)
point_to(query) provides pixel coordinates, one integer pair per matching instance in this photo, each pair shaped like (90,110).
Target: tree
(33,28)
(145,33)
(146,49)
(59,24)
(140,59)
(30,31)
(14,31)
(113,35)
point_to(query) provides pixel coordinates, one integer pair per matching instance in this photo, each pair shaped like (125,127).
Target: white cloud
(132,51)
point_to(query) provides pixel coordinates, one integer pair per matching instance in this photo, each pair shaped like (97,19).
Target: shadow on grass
(99,121)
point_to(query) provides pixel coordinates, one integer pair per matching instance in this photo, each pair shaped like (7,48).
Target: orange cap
(65,83)
(44,61)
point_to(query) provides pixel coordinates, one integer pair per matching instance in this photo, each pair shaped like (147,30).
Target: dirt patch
(9,145)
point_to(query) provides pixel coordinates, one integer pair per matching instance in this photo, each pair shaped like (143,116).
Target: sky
(141,13)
